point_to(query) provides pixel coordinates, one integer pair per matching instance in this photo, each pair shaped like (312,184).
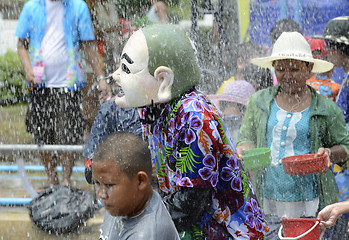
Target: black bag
(62,209)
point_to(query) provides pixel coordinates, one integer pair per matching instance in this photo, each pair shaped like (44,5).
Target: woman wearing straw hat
(292,119)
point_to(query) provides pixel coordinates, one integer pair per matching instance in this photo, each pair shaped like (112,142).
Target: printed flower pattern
(190,123)
(210,170)
(183,181)
(254,215)
(232,172)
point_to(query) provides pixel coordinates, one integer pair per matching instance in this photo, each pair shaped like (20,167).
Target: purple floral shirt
(191,147)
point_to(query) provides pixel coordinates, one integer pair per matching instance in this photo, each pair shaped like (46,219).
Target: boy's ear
(143,180)
(165,76)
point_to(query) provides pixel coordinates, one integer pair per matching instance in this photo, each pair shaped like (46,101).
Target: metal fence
(18,150)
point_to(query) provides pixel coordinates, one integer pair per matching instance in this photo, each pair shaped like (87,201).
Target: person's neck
(143,205)
(295,101)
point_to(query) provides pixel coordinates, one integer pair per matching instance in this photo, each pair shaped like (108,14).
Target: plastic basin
(305,164)
(256,158)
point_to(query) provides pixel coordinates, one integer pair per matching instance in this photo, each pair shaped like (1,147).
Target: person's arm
(22,49)
(247,132)
(336,137)
(93,58)
(330,214)
(335,154)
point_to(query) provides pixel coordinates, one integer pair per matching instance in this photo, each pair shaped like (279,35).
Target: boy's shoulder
(154,223)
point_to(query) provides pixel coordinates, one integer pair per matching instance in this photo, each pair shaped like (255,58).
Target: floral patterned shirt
(191,147)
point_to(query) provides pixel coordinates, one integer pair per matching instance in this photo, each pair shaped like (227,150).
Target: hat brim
(320,66)
(216,98)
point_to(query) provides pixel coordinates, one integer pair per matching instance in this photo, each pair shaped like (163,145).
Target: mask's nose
(116,75)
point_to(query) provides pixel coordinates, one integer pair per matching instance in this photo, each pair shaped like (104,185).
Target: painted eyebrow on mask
(127,57)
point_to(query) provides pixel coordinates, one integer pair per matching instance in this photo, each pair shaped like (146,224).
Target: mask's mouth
(120,92)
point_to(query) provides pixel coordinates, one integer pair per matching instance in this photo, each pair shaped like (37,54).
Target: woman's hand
(242,148)
(326,151)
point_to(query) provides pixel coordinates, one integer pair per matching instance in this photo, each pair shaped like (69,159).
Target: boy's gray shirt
(154,223)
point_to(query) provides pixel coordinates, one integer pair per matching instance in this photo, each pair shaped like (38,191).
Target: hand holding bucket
(293,227)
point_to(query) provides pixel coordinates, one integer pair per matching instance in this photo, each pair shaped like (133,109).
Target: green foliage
(13,86)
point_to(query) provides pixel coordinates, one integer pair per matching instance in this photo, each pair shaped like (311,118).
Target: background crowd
(282,98)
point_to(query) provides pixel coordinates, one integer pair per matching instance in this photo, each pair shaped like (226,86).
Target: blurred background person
(336,35)
(50,35)
(322,82)
(232,104)
(157,12)
(246,51)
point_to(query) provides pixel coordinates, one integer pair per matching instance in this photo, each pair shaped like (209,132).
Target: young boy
(121,168)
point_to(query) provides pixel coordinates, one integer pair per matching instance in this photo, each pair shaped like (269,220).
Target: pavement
(15,222)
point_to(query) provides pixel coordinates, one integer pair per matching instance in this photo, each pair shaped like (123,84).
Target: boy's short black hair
(130,153)
(284,25)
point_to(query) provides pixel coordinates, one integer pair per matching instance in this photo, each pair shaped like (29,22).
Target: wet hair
(344,48)
(284,25)
(130,153)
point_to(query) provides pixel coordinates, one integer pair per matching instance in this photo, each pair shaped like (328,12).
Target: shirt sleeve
(22,29)
(247,132)
(85,25)
(110,119)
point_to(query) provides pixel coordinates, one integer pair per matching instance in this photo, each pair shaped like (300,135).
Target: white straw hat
(292,45)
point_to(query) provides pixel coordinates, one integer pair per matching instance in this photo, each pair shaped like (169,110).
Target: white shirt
(54,48)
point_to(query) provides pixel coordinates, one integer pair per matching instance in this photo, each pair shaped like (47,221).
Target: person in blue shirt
(51,34)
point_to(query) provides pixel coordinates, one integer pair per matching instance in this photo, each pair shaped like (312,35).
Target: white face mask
(138,86)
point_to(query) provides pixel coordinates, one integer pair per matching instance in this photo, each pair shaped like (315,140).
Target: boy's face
(139,87)
(117,192)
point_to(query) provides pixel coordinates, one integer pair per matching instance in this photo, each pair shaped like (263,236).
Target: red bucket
(300,229)
(304,164)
